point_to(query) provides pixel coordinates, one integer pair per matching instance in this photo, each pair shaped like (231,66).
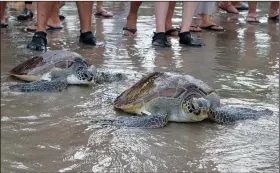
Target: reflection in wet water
(51,131)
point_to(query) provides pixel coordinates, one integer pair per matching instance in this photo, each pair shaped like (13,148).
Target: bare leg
(54,17)
(100,10)
(188,12)
(44,10)
(161,9)
(273,10)
(159,38)
(3,12)
(252,12)
(130,27)
(168,22)
(85,13)
(185,36)
(39,40)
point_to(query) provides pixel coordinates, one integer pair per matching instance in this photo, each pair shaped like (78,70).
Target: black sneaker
(38,42)
(88,38)
(26,14)
(187,39)
(160,39)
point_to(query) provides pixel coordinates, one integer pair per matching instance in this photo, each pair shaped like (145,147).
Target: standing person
(273,13)
(39,40)
(160,38)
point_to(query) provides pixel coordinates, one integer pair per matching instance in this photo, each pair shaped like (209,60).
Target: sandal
(49,28)
(170,32)
(275,18)
(229,8)
(132,30)
(104,14)
(212,28)
(254,21)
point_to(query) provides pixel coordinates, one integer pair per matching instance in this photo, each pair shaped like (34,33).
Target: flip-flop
(256,20)
(210,28)
(104,14)
(192,30)
(275,18)
(3,25)
(243,6)
(170,31)
(228,8)
(132,30)
(49,28)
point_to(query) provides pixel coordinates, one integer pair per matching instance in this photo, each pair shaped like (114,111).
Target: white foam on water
(68,168)
(5,119)
(19,165)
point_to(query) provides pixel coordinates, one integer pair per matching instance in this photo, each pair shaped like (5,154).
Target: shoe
(160,39)
(26,14)
(3,25)
(88,38)
(38,42)
(187,39)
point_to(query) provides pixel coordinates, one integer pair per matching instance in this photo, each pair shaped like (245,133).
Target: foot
(160,39)
(187,39)
(26,14)
(195,29)
(228,8)
(38,42)
(88,38)
(130,27)
(252,19)
(129,31)
(48,28)
(212,27)
(104,13)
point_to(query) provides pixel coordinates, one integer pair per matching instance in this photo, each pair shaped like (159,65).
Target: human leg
(130,27)
(85,13)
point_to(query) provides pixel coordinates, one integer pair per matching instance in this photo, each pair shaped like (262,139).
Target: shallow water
(51,131)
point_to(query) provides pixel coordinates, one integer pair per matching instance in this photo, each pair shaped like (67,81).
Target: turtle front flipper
(229,115)
(102,77)
(41,86)
(148,121)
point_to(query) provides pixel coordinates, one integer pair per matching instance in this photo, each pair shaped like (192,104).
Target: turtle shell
(156,85)
(35,67)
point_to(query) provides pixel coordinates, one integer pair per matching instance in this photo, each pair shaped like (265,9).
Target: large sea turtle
(162,97)
(54,70)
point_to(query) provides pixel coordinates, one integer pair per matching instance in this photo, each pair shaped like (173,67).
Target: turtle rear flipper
(149,121)
(41,86)
(229,115)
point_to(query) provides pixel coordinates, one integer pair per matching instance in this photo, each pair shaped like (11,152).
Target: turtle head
(82,73)
(197,108)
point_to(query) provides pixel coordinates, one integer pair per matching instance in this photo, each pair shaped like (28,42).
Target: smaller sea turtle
(54,70)
(162,97)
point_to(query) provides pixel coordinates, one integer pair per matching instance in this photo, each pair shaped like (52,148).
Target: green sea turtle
(162,97)
(54,70)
